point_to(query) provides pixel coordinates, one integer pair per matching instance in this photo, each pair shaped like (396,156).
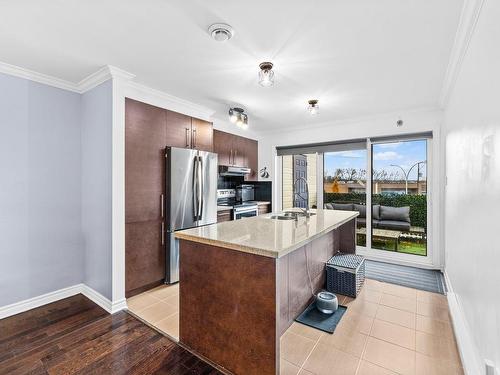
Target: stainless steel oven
(245,211)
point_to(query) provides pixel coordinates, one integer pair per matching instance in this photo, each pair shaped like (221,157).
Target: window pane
(344,184)
(399,186)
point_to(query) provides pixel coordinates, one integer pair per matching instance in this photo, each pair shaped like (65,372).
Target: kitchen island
(243,282)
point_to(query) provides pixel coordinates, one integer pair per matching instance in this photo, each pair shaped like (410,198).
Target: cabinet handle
(235,156)
(162,205)
(194,138)
(162,233)
(187,137)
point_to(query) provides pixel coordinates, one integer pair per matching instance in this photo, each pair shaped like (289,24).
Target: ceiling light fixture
(221,32)
(238,116)
(266,74)
(313,107)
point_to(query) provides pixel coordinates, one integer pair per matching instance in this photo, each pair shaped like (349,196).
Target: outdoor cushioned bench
(383,217)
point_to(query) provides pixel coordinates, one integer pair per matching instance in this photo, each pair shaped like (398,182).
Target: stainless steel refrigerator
(191,187)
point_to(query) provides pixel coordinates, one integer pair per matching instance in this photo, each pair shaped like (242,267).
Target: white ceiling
(358,57)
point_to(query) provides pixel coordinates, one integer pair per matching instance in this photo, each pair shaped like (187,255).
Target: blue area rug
(312,317)
(417,278)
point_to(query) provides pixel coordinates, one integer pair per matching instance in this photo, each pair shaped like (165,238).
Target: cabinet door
(178,130)
(224,216)
(145,134)
(251,155)
(239,151)
(144,255)
(202,135)
(223,147)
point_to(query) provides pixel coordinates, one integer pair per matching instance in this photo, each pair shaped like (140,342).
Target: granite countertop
(268,237)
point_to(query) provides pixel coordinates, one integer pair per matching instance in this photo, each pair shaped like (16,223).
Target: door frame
(435,257)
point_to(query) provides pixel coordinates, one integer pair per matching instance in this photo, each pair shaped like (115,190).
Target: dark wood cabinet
(223,143)
(201,135)
(144,256)
(148,130)
(145,138)
(264,208)
(188,132)
(178,130)
(225,215)
(236,150)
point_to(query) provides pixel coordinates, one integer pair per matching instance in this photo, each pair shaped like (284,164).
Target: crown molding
(107,72)
(468,20)
(161,99)
(31,75)
(95,79)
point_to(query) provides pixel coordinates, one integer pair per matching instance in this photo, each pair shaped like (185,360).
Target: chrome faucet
(295,194)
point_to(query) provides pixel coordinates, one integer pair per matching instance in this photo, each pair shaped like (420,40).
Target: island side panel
(228,307)
(347,237)
(295,290)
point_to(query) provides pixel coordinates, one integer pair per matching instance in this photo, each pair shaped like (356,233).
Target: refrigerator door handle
(195,189)
(202,189)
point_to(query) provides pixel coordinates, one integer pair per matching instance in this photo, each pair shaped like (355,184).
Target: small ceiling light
(266,74)
(221,32)
(238,116)
(313,107)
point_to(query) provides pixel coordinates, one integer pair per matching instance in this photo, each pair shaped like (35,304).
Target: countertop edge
(259,251)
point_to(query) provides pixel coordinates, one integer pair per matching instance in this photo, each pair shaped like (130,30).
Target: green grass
(405,246)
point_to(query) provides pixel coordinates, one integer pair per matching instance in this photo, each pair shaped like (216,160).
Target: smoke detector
(221,32)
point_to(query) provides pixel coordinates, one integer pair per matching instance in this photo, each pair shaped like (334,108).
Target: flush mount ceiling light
(221,32)
(266,74)
(313,107)
(238,116)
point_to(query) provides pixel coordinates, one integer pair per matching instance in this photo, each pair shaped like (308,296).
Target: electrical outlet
(490,367)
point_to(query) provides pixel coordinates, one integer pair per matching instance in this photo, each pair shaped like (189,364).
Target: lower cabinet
(144,256)
(225,215)
(264,208)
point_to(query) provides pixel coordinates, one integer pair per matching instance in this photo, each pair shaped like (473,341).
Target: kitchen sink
(290,215)
(282,217)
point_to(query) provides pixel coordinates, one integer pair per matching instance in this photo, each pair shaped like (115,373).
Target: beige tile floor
(158,307)
(388,329)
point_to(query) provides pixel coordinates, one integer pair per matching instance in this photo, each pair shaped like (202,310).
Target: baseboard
(44,299)
(471,360)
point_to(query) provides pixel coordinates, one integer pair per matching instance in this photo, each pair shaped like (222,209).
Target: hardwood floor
(75,336)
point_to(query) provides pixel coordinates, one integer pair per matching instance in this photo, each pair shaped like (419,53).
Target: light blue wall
(96,186)
(41,247)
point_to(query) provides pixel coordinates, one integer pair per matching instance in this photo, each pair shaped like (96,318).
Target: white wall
(472,125)
(96,127)
(41,247)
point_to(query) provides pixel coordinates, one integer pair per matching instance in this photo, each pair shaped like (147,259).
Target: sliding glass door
(399,196)
(385,180)
(344,185)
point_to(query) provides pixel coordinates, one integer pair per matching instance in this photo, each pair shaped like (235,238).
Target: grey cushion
(395,213)
(376,211)
(361,222)
(394,225)
(342,206)
(361,208)
(328,206)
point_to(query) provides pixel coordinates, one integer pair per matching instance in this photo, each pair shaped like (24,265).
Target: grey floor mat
(423,279)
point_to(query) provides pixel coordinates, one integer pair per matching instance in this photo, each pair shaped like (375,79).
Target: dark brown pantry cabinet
(148,129)
(237,151)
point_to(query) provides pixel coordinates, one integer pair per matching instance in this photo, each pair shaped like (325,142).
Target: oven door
(240,214)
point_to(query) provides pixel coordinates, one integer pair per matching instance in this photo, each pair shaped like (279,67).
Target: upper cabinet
(236,151)
(201,135)
(178,130)
(188,132)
